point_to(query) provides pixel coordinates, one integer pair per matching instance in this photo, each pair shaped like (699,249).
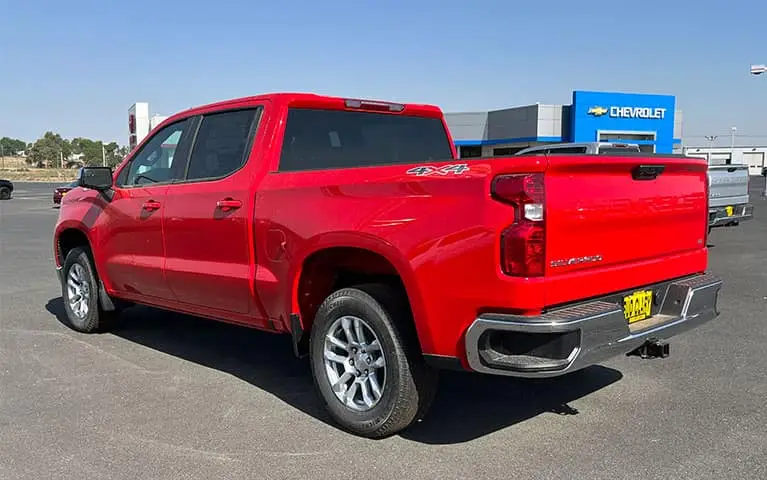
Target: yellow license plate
(637,306)
(728,210)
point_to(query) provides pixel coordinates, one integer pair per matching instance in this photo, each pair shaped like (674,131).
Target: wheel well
(73,238)
(69,239)
(332,269)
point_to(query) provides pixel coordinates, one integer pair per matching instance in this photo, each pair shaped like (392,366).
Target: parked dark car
(6,189)
(59,192)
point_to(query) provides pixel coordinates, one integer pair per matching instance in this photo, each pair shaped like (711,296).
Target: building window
(720,159)
(469,151)
(618,136)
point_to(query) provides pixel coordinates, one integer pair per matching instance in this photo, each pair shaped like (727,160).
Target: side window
(155,162)
(222,144)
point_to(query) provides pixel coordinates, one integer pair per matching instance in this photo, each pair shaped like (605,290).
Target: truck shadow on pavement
(467,406)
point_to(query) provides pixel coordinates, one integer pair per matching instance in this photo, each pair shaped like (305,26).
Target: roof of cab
(306,100)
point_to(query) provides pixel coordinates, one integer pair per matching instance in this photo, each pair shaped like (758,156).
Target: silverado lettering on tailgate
(565,262)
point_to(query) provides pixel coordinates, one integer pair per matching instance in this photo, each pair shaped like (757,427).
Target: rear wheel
(80,292)
(5,193)
(366,363)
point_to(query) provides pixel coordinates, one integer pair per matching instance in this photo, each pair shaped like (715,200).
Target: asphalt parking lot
(167,396)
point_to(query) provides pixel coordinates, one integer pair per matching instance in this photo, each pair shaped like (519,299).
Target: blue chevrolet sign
(640,118)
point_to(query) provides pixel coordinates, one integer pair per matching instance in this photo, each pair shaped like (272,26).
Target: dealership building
(651,121)
(140,123)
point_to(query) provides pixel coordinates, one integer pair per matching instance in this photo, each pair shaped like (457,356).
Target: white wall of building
(140,123)
(754,157)
(156,120)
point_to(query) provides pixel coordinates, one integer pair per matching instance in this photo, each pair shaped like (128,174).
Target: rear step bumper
(720,216)
(571,338)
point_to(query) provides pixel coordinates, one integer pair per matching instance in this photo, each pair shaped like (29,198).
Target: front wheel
(366,364)
(5,193)
(80,292)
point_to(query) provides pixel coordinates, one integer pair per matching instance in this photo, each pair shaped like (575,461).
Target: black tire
(410,385)
(5,193)
(95,319)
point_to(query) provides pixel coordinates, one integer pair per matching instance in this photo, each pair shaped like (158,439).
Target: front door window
(154,164)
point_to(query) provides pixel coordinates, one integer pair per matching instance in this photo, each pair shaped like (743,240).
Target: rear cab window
(553,150)
(328,139)
(617,150)
(569,150)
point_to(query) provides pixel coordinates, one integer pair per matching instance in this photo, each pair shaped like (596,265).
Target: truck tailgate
(728,185)
(599,214)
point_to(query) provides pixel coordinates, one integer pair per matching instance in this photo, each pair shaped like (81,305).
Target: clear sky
(76,66)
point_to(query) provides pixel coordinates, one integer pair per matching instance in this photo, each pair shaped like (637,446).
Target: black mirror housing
(96,178)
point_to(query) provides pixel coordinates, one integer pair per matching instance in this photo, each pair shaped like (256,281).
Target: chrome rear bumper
(571,338)
(721,216)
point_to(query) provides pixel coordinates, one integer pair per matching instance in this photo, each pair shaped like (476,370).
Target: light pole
(711,139)
(732,139)
(758,70)
(103,155)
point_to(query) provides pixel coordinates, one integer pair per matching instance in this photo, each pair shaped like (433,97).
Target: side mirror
(96,178)
(764,171)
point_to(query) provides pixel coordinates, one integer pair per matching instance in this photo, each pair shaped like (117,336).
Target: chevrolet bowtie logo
(597,111)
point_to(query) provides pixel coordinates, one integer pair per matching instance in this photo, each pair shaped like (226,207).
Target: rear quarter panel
(440,233)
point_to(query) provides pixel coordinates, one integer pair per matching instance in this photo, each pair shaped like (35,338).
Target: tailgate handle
(732,169)
(647,172)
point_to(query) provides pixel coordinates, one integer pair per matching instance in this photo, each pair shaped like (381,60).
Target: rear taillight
(523,243)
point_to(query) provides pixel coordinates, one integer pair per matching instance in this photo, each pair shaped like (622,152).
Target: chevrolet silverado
(729,200)
(351,226)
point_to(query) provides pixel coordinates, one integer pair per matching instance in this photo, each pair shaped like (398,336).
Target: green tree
(113,153)
(89,149)
(122,152)
(11,146)
(47,151)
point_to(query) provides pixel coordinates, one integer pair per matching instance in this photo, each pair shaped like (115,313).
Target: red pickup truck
(352,226)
